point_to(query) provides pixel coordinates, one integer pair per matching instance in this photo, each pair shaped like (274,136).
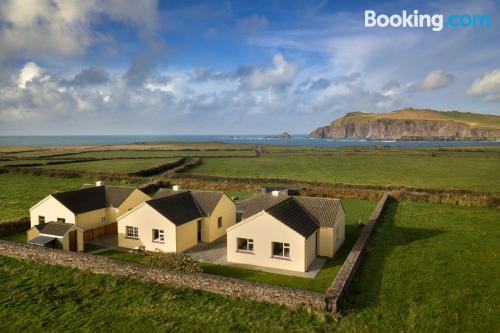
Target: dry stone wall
(199,281)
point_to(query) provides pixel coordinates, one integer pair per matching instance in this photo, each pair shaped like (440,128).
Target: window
(158,236)
(41,219)
(132,232)
(219,222)
(281,250)
(245,245)
(61,220)
(103,219)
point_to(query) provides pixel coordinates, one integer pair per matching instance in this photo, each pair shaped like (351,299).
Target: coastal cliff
(413,124)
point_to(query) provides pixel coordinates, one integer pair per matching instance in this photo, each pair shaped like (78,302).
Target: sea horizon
(258,139)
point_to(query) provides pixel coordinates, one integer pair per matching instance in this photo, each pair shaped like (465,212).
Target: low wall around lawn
(344,277)
(249,290)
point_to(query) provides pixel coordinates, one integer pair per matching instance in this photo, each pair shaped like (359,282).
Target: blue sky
(232,67)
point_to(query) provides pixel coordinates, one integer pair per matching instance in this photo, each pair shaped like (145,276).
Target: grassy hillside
(471,119)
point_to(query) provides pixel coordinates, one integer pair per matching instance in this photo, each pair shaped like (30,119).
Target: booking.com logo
(416,20)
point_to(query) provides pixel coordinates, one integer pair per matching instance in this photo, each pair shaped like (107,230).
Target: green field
(20,192)
(159,153)
(429,268)
(425,171)
(116,166)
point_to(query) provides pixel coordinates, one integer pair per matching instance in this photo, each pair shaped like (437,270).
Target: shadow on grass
(365,290)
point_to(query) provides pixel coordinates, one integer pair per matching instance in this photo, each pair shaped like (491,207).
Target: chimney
(99,183)
(275,193)
(175,188)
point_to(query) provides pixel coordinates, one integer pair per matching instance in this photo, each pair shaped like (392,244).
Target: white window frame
(41,219)
(132,232)
(249,242)
(283,246)
(61,220)
(161,236)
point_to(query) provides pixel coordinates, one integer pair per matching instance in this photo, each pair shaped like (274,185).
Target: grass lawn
(36,297)
(125,256)
(21,191)
(19,237)
(239,195)
(429,268)
(399,168)
(118,166)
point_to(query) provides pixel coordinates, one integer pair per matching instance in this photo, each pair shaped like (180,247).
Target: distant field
(426,171)
(20,192)
(118,166)
(156,153)
(26,161)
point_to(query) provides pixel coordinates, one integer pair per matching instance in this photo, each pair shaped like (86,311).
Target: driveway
(214,252)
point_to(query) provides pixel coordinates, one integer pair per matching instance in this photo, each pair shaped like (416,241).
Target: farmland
(118,165)
(381,168)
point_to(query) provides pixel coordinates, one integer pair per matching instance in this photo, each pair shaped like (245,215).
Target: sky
(233,67)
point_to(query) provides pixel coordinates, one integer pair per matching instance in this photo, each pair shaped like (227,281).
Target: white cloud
(488,86)
(279,76)
(63,27)
(436,79)
(29,72)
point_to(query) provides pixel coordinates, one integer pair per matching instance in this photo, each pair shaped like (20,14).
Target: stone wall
(344,277)
(200,281)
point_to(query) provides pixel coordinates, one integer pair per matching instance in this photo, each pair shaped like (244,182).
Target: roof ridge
(306,211)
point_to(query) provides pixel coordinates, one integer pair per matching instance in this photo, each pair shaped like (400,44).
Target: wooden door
(73,242)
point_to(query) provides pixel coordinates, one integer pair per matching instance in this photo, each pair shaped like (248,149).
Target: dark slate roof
(179,208)
(116,195)
(206,200)
(83,200)
(54,228)
(258,203)
(323,211)
(290,213)
(88,199)
(41,240)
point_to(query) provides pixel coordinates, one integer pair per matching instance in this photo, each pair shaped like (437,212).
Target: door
(199,230)
(73,243)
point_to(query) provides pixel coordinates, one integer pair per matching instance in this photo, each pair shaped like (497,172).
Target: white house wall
(265,229)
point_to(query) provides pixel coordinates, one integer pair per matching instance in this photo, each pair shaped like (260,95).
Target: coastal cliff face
(377,126)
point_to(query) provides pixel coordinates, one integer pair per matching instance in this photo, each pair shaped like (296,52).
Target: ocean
(296,140)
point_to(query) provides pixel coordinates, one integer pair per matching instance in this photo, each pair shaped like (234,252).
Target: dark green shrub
(171,260)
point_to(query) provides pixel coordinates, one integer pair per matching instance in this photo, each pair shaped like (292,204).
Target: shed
(65,236)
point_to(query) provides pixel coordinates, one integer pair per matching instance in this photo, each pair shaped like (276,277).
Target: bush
(176,261)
